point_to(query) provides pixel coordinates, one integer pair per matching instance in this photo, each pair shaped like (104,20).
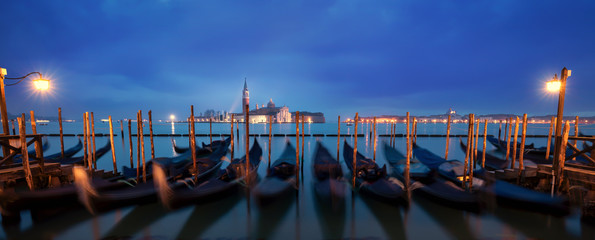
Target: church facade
(261,114)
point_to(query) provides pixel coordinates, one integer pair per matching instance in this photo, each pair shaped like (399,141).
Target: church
(262,114)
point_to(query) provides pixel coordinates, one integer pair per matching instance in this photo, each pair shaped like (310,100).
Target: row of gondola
(171,181)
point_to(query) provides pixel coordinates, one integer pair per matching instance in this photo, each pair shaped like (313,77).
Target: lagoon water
(301,217)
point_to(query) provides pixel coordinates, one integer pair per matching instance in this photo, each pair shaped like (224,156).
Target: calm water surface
(298,217)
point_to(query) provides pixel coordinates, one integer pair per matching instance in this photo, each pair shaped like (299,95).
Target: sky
(115,57)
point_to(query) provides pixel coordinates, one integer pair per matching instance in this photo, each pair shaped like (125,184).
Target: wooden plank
(17,172)
(572,173)
(579,152)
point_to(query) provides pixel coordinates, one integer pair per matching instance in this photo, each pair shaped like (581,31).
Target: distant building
(278,114)
(245,98)
(316,117)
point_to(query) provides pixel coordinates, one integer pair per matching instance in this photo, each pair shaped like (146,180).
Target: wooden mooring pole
(390,138)
(192,142)
(93,138)
(499,130)
(38,148)
(232,137)
(111,138)
(61,133)
(508,136)
(88,143)
(84,140)
(549,138)
(374,139)
(574,142)
(468,150)
(515,143)
(151,134)
(447,138)
(122,130)
(302,157)
(415,130)
(522,151)
(562,157)
(24,153)
(338,137)
(130,140)
(247,122)
(409,139)
(85,157)
(142,145)
(13,130)
(473,155)
(485,135)
(211,131)
(394,133)
(297,145)
(138,123)
(270,135)
(355,149)
(475,146)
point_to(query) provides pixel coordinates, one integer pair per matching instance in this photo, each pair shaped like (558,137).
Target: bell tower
(245,97)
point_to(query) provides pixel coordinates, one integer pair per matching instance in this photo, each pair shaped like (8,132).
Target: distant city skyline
(336,57)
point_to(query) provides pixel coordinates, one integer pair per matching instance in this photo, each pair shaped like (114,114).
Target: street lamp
(560,86)
(39,83)
(553,85)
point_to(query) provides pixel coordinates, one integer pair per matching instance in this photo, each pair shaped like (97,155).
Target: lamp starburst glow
(553,86)
(41,84)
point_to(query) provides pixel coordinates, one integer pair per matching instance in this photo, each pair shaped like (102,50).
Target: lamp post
(560,86)
(40,84)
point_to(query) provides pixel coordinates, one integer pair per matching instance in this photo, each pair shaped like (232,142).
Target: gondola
(173,165)
(501,145)
(397,162)
(491,162)
(224,182)
(280,179)
(431,187)
(537,155)
(451,169)
(372,180)
(19,157)
(205,149)
(329,184)
(80,160)
(504,193)
(68,153)
(14,202)
(56,157)
(50,198)
(142,193)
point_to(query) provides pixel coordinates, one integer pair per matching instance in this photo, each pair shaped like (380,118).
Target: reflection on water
(300,215)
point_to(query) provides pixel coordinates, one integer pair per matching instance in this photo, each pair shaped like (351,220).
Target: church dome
(271,104)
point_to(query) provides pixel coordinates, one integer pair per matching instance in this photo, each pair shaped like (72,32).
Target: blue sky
(337,57)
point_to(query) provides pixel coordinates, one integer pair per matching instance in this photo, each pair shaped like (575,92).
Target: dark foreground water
(300,216)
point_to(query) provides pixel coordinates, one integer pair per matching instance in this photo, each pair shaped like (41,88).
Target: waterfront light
(41,84)
(172,117)
(553,86)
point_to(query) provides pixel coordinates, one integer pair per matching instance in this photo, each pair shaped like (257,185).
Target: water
(301,217)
